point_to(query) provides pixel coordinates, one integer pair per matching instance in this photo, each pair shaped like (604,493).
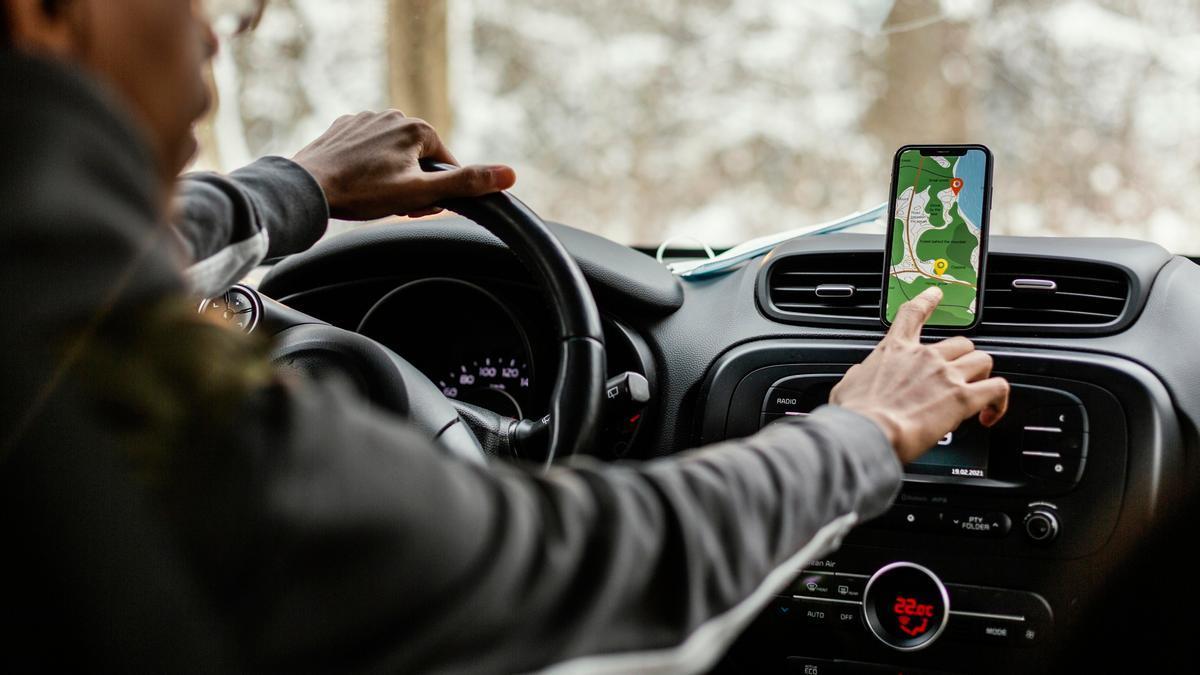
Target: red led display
(912,615)
(906,606)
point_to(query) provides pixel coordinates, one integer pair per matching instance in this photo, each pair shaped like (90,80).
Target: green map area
(933,242)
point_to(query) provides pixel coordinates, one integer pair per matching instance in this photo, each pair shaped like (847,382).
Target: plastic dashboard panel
(620,277)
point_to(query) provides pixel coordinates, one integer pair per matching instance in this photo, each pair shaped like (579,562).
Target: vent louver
(1023,294)
(1039,292)
(831,286)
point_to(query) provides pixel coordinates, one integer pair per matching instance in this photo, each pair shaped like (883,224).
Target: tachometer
(502,385)
(239,306)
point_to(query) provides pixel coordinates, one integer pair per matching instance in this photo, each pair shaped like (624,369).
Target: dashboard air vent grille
(1029,291)
(833,285)
(1024,294)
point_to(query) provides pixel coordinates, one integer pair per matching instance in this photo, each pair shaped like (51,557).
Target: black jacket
(301,530)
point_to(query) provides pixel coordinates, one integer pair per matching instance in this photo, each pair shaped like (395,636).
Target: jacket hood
(81,223)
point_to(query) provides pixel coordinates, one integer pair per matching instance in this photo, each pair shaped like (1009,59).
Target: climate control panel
(906,607)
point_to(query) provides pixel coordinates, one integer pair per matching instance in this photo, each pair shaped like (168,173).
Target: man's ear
(47,28)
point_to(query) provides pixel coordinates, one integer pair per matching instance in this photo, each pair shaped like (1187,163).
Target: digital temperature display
(906,606)
(912,616)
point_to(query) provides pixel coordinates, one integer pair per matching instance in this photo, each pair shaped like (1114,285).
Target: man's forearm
(229,224)
(732,525)
(427,563)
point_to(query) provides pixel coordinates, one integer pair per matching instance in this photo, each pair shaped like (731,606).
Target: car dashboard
(999,538)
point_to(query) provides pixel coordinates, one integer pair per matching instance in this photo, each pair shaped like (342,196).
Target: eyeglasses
(232,17)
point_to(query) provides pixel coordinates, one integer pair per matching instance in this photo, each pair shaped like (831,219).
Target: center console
(998,535)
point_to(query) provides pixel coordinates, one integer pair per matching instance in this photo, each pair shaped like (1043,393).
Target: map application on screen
(936,233)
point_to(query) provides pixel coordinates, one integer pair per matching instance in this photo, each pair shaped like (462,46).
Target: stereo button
(1054,439)
(1065,417)
(1052,466)
(913,519)
(848,617)
(815,584)
(994,630)
(1041,525)
(791,402)
(983,524)
(847,587)
(785,610)
(817,613)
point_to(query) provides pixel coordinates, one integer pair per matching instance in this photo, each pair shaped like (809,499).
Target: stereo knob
(906,606)
(1041,526)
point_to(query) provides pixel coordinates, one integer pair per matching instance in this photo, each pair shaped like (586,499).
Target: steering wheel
(391,382)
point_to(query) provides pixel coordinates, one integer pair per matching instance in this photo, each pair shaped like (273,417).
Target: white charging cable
(662,249)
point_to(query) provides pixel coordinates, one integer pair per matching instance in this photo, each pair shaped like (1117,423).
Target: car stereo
(1041,444)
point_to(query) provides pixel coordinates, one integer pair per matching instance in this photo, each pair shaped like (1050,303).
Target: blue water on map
(972,168)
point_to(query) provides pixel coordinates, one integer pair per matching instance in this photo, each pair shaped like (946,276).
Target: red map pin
(956,185)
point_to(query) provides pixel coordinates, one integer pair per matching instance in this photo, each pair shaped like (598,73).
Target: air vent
(1024,294)
(1039,292)
(827,286)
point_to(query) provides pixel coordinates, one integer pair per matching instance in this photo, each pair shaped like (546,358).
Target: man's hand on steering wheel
(369,166)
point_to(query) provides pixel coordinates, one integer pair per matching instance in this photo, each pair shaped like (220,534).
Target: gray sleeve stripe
(216,274)
(709,642)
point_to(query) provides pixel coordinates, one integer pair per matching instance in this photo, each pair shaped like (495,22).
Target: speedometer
(501,384)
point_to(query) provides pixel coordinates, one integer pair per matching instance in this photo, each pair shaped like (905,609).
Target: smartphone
(938,214)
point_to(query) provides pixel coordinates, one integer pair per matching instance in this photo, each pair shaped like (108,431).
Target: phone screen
(938,232)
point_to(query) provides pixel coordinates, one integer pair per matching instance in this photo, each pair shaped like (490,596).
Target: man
(170,503)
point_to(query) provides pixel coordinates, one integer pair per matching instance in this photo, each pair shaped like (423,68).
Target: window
(725,119)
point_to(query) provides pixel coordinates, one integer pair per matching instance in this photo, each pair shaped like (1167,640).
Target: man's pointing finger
(914,313)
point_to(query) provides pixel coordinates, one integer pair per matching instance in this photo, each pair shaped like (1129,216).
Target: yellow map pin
(940,266)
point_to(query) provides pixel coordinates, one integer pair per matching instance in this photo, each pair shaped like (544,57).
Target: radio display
(963,453)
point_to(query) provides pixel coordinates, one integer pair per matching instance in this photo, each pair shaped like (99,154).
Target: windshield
(720,120)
